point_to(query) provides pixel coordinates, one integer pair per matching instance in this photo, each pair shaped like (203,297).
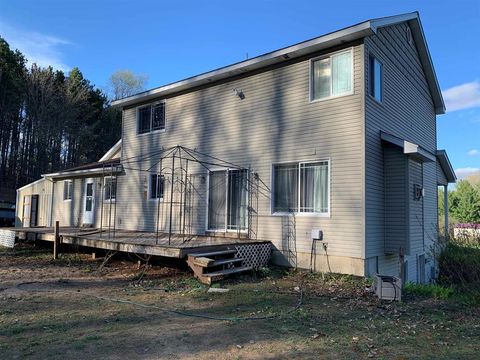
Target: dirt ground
(76,308)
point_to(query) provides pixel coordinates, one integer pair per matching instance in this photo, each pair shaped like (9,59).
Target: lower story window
(67,190)
(110,188)
(301,187)
(156,186)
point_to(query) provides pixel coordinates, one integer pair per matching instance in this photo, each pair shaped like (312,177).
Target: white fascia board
(335,38)
(112,151)
(32,183)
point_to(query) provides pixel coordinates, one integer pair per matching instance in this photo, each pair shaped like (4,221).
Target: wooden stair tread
(228,271)
(214,253)
(206,262)
(225,261)
(203,261)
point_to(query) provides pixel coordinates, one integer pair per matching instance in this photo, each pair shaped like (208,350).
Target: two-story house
(338,133)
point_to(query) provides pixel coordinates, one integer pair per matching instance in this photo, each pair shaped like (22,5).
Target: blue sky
(171,40)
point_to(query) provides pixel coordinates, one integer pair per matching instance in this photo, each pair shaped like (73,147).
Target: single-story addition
(326,148)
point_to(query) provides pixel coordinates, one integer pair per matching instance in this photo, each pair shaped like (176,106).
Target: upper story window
(157,184)
(67,190)
(376,78)
(151,117)
(332,76)
(301,187)
(110,188)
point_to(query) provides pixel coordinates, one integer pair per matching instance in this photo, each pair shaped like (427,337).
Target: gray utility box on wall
(388,287)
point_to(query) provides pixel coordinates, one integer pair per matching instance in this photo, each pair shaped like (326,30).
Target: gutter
(68,174)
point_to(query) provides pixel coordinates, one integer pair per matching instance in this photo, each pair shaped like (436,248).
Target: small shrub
(264,272)
(460,267)
(431,290)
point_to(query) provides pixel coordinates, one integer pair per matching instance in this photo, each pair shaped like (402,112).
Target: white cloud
(463,96)
(462,173)
(42,49)
(473,152)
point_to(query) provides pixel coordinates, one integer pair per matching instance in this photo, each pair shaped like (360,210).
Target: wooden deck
(135,241)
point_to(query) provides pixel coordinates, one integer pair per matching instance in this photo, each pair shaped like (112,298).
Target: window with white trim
(67,190)
(110,188)
(151,117)
(157,185)
(301,187)
(376,78)
(332,76)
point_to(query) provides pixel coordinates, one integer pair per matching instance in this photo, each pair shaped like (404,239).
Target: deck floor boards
(135,241)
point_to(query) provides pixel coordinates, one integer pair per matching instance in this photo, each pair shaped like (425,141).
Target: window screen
(158,119)
(144,119)
(301,187)
(332,76)
(156,186)
(110,188)
(376,75)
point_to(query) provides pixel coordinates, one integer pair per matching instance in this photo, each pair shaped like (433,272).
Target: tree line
(50,120)
(463,202)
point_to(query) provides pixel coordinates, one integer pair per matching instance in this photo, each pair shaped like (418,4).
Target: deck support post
(56,240)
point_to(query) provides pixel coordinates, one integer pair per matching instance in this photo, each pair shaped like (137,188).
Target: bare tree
(123,83)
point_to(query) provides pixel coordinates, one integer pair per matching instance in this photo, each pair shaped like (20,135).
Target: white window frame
(226,170)
(151,105)
(370,72)
(105,186)
(298,213)
(150,198)
(71,190)
(329,56)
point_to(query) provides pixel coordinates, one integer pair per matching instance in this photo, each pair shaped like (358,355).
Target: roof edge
(328,40)
(111,151)
(446,166)
(30,184)
(349,33)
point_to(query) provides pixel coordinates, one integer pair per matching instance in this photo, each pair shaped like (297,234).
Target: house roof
(348,34)
(87,169)
(446,166)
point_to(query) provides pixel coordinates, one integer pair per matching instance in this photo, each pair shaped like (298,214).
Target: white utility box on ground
(388,287)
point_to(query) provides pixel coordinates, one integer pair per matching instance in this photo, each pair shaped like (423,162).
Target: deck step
(228,271)
(207,262)
(214,253)
(225,262)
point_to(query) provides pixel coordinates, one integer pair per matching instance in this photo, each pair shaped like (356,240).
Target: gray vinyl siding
(43,189)
(275,123)
(441,178)
(396,211)
(406,111)
(416,210)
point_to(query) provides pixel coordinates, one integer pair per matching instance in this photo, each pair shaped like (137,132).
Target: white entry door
(89,203)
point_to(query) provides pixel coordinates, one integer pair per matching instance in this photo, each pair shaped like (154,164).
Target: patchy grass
(67,314)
